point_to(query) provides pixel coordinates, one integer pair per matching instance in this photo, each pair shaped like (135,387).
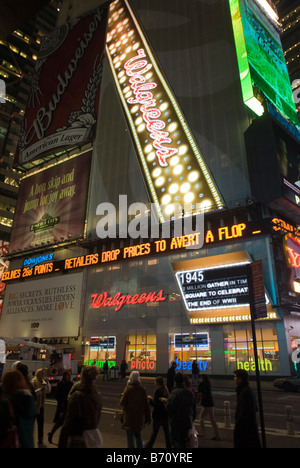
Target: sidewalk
(115,438)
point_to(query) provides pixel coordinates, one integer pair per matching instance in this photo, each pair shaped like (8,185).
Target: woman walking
(208,405)
(136,410)
(159,415)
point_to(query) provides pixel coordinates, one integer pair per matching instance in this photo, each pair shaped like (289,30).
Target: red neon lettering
(135,67)
(103,300)
(294,257)
(142,365)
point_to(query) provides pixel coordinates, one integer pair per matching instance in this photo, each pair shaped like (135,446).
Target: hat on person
(134,377)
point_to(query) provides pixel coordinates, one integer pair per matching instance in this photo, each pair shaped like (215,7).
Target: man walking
(246,428)
(181,409)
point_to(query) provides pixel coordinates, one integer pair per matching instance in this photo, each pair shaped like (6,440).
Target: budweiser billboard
(63,102)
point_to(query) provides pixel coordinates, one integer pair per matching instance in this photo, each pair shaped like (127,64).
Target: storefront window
(188,347)
(239,350)
(99,349)
(141,352)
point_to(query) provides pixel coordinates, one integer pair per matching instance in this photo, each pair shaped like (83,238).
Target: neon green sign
(261,60)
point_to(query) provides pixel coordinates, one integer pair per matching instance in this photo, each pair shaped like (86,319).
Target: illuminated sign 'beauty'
(173,166)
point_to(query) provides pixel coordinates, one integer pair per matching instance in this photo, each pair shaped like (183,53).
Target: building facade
(143,252)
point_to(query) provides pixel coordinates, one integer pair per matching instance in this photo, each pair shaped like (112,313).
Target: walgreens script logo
(119,300)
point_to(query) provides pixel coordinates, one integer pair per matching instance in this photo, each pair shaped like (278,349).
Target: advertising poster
(63,102)
(42,308)
(51,205)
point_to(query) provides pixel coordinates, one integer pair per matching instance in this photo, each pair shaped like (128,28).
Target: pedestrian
(159,415)
(181,409)
(195,372)
(246,428)
(17,409)
(61,395)
(105,370)
(23,368)
(208,406)
(123,369)
(136,410)
(171,376)
(188,384)
(41,388)
(80,427)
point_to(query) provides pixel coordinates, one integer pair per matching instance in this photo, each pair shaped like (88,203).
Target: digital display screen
(107,342)
(261,59)
(188,341)
(214,288)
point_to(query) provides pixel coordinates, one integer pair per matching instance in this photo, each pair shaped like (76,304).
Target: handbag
(11,438)
(193,437)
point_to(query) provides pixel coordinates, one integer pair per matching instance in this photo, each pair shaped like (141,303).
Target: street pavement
(115,438)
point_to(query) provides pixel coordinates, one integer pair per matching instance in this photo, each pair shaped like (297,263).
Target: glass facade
(184,348)
(239,349)
(141,352)
(98,349)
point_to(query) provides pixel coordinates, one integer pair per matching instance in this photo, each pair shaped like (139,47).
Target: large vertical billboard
(261,59)
(175,169)
(51,206)
(63,103)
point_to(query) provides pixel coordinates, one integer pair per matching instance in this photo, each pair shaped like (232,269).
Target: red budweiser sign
(63,102)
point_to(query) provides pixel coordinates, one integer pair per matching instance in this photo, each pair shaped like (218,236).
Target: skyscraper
(20,39)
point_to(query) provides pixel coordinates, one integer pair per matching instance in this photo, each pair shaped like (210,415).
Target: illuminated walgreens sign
(136,69)
(119,300)
(173,166)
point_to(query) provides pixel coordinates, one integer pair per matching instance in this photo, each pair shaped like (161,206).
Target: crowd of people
(79,405)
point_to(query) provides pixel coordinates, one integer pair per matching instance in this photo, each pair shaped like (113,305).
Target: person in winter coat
(123,369)
(159,415)
(171,376)
(80,428)
(246,428)
(181,409)
(41,388)
(16,392)
(208,406)
(195,372)
(61,395)
(136,410)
